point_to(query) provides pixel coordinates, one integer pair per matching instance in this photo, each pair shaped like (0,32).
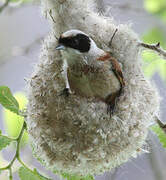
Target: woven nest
(75,134)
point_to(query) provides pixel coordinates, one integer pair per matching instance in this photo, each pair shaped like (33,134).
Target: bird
(90,71)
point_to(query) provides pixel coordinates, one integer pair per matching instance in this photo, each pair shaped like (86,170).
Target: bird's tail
(111,101)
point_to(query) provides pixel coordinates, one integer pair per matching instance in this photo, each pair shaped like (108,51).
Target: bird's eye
(75,41)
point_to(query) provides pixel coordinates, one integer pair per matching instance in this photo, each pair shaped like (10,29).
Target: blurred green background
(21,31)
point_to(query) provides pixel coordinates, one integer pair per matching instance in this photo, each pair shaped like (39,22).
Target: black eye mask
(79,42)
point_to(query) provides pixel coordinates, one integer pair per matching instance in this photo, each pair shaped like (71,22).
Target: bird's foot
(111,108)
(65,92)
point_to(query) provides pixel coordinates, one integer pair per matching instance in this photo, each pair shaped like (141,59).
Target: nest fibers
(75,134)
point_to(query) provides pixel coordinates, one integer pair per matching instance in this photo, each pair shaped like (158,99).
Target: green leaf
(153,6)
(26,174)
(162,69)
(13,122)
(153,62)
(160,133)
(4,141)
(156,7)
(7,100)
(40,176)
(76,177)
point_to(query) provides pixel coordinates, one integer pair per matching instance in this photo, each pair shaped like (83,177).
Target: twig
(10,174)
(4,5)
(50,13)
(113,36)
(161,124)
(18,140)
(155,47)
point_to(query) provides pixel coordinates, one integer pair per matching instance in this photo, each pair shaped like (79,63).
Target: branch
(154,47)
(113,37)
(4,5)
(161,124)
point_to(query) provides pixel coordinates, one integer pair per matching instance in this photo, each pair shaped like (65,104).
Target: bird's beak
(60,47)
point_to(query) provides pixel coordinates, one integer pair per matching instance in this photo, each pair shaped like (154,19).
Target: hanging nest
(75,134)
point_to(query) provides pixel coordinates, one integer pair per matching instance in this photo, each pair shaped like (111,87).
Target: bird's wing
(116,68)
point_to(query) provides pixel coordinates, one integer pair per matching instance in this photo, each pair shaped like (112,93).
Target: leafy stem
(10,174)
(17,154)
(4,5)
(9,102)
(11,139)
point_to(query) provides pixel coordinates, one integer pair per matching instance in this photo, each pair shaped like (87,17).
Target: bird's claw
(65,92)
(111,109)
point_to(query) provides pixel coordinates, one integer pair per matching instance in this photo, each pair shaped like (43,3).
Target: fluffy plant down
(75,134)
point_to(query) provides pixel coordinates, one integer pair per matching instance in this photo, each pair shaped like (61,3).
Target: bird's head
(78,42)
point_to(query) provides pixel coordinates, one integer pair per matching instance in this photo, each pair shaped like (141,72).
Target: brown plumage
(116,68)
